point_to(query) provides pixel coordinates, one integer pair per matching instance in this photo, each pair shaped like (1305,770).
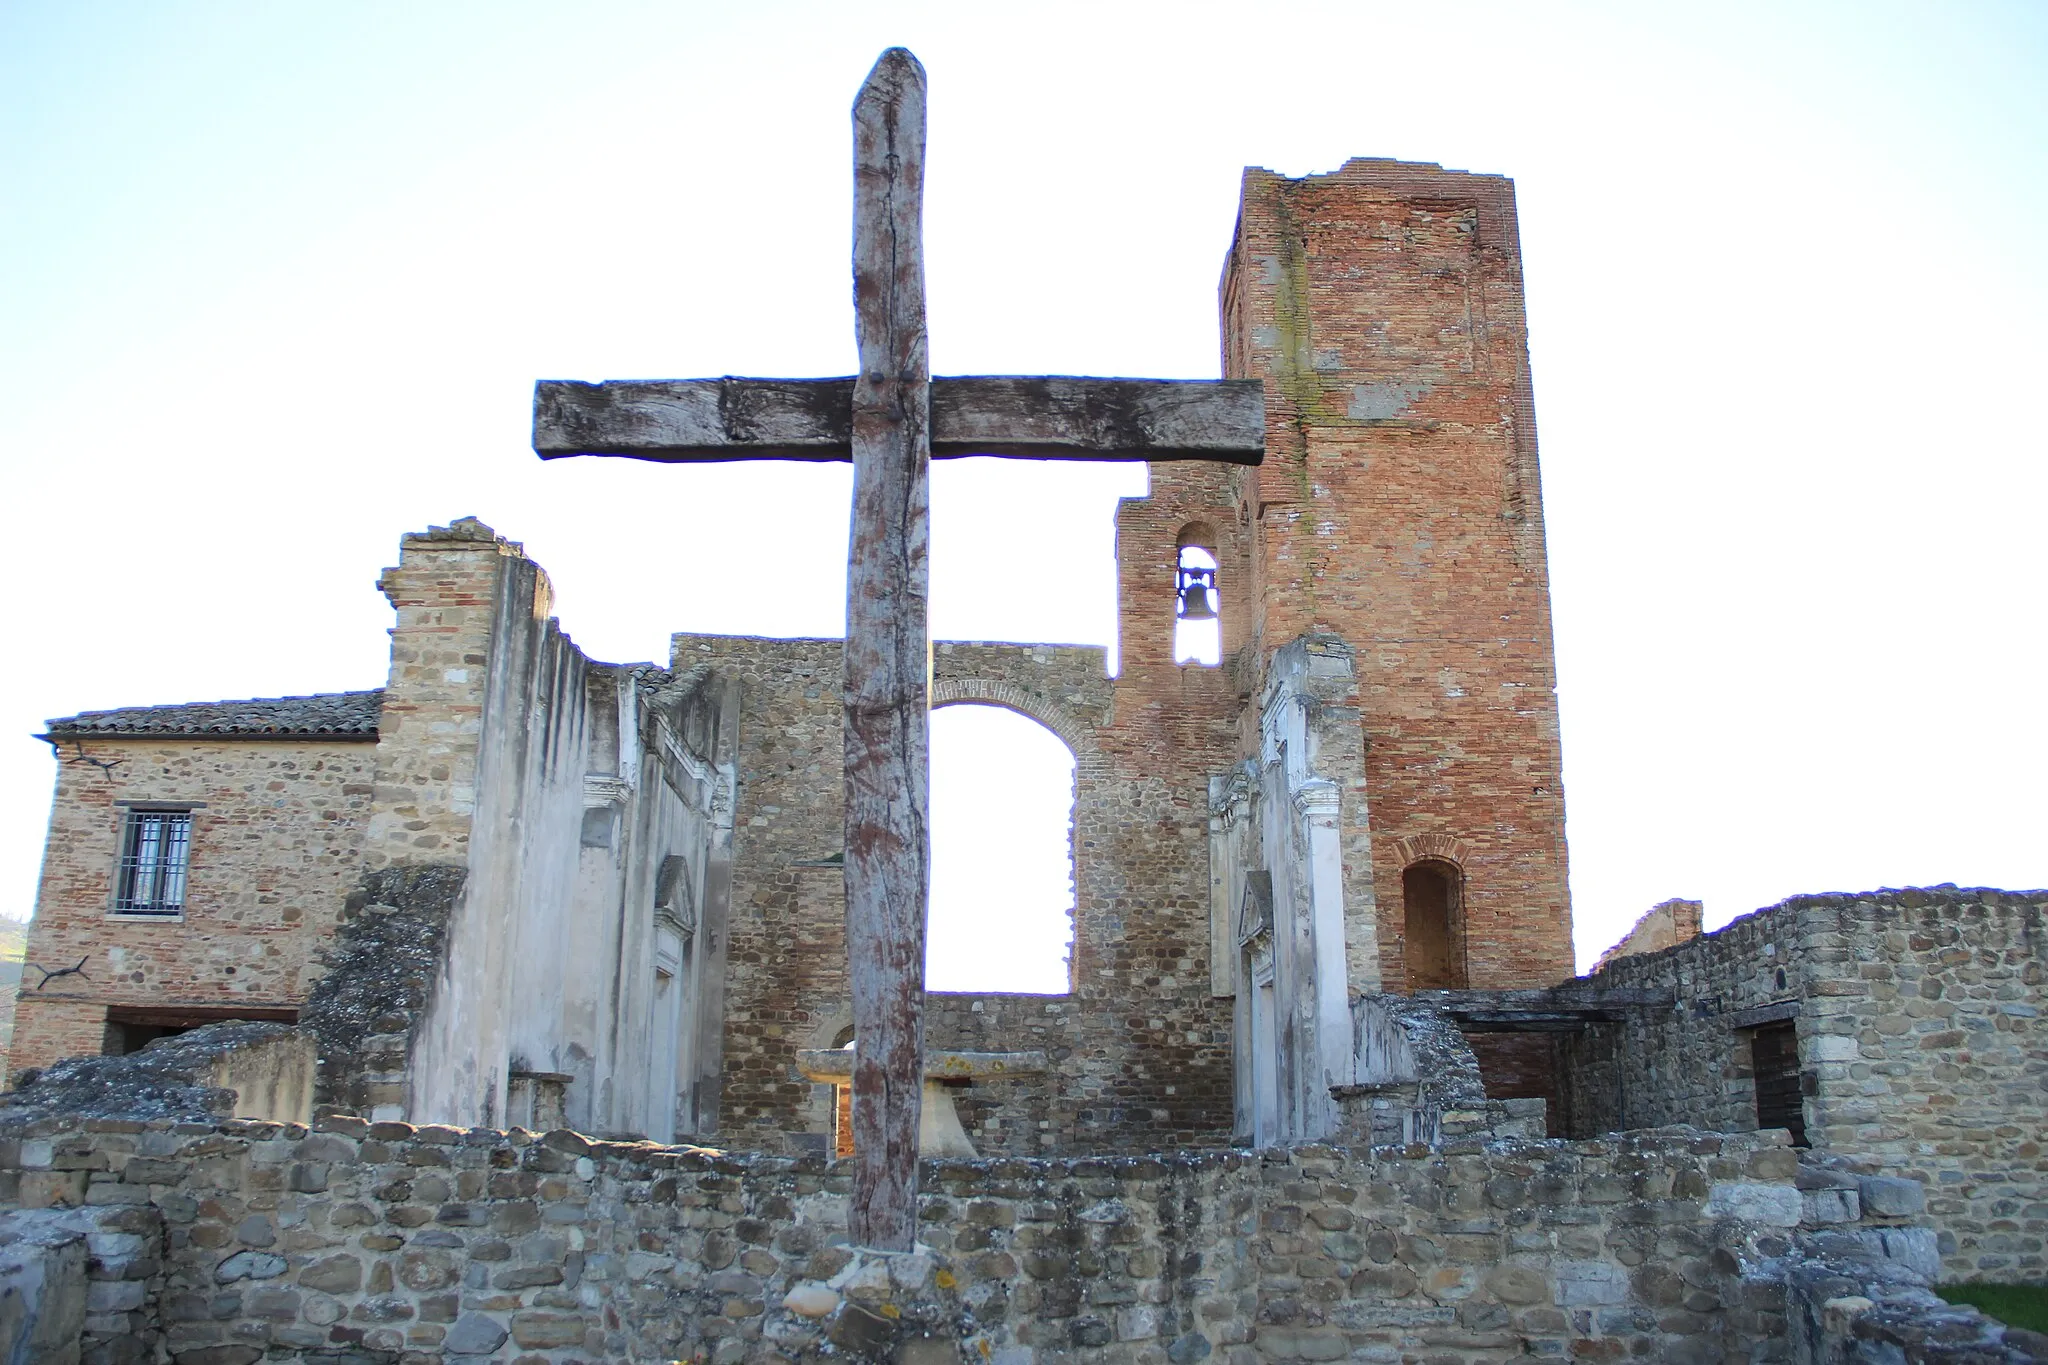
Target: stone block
(475,1334)
(542,1331)
(1517,1284)
(338,1274)
(1885,1196)
(1825,1206)
(1751,1202)
(1585,1283)
(249,1265)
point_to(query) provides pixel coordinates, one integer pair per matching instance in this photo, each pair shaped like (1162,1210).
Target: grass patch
(2015,1305)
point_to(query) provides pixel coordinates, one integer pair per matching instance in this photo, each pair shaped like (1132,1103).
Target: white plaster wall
(1305,821)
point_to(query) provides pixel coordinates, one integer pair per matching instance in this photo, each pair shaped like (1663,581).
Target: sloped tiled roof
(342,715)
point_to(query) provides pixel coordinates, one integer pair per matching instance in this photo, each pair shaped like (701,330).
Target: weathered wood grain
(888,841)
(1031,417)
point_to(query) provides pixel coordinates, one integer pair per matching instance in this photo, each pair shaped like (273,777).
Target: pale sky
(278,279)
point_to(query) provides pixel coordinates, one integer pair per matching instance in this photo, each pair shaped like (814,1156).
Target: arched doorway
(1433,911)
(1002,910)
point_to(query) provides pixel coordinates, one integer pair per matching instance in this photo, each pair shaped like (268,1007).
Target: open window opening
(1774,1063)
(132,1028)
(1197,605)
(1002,803)
(1432,903)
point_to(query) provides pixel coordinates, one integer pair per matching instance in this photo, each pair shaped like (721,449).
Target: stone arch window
(1433,925)
(1197,601)
(1002,803)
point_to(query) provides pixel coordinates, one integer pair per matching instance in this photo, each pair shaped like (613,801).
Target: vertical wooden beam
(888,846)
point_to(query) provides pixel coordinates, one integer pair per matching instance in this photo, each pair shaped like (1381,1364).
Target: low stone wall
(1922,1046)
(1848,1302)
(382,1243)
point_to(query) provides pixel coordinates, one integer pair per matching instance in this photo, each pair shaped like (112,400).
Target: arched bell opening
(1197,601)
(1433,919)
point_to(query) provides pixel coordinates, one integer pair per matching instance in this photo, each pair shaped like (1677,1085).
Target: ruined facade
(1320,911)
(1362,795)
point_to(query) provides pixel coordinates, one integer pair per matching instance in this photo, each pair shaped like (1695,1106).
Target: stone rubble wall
(1922,1046)
(1930,1055)
(1858,1281)
(1861,1296)
(385,1243)
(237,1068)
(72,1274)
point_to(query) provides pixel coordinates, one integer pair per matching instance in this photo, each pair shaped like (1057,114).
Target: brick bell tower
(1381,580)
(1400,509)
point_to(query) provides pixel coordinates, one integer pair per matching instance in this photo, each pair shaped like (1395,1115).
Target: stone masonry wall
(1140,1048)
(384,1243)
(1922,1045)
(1691,1065)
(275,846)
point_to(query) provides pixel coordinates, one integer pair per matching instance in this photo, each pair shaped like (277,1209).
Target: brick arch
(1417,848)
(1078,734)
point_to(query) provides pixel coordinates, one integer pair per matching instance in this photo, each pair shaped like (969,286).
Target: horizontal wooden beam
(1025,417)
(1556,1009)
(1567,997)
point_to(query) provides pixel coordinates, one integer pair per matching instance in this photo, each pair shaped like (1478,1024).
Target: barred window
(156,847)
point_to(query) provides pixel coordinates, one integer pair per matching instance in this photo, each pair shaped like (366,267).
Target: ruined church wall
(490,729)
(617,996)
(495,927)
(1922,1046)
(227,1243)
(1400,508)
(276,839)
(1140,1049)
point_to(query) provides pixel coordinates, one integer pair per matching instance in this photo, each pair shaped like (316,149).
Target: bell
(1194,601)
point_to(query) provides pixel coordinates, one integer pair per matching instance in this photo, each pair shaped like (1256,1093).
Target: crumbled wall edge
(381,970)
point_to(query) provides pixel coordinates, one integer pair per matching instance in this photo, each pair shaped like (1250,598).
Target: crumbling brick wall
(1663,925)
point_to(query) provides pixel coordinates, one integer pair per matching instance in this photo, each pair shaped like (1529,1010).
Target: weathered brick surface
(274,850)
(449,589)
(1400,508)
(389,1243)
(1922,1046)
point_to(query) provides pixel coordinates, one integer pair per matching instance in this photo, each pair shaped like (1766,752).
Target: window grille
(155,852)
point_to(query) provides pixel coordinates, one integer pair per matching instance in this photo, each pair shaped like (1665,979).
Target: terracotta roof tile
(351,714)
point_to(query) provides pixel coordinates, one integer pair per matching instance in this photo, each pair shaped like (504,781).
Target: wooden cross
(890,419)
